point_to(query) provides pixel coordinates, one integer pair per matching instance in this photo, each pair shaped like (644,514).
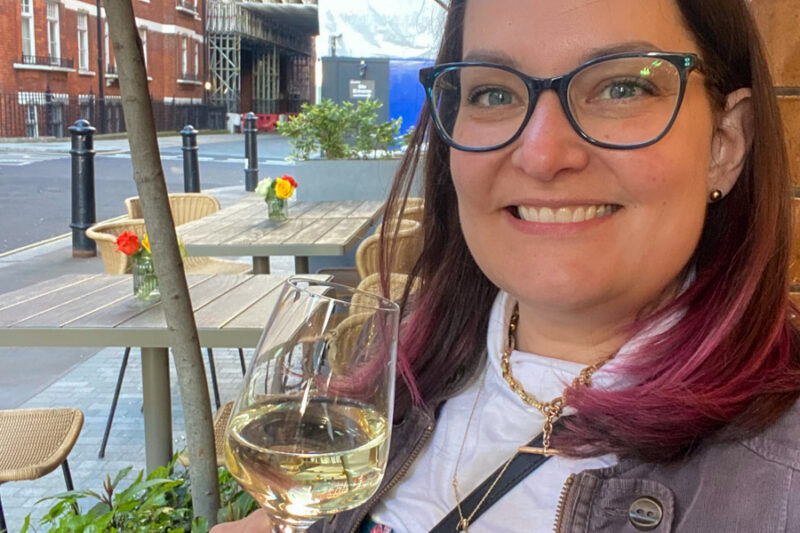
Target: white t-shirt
(500,424)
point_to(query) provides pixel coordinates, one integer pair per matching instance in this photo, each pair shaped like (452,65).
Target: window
(184,56)
(196,58)
(107,49)
(53,37)
(28,42)
(143,37)
(83,41)
(31,121)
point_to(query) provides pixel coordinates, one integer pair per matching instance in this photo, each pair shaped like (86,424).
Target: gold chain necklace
(552,409)
(463,522)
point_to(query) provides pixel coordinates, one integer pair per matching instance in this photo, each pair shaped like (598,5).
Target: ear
(733,136)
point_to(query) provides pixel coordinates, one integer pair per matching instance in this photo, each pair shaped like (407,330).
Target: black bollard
(250,152)
(83,207)
(191,169)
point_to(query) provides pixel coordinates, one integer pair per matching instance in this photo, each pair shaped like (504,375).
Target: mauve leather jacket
(751,486)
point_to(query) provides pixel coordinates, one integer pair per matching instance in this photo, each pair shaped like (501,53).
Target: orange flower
(127,243)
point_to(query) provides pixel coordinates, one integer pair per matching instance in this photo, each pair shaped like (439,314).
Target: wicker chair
(414,209)
(186,207)
(220,424)
(105,235)
(407,250)
(342,343)
(33,442)
(372,284)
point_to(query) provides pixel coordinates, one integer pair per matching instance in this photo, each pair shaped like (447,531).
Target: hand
(257,522)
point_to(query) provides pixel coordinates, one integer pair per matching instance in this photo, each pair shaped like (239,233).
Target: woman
(623,238)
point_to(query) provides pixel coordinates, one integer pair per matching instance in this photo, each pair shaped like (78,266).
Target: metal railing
(48,61)
(37,115)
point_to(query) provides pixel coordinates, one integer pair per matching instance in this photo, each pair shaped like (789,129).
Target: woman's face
(610,267)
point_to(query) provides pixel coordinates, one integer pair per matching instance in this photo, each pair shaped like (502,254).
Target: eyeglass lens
(621,101)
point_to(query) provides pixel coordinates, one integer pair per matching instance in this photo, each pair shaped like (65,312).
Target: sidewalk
(85,378)
(104,144)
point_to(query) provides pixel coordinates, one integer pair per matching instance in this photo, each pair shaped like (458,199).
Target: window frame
(53,30)
(83,41)
(28,20)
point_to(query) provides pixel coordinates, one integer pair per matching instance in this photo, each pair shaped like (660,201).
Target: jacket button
(645,513)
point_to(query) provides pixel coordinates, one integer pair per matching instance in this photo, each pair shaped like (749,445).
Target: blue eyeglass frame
(685,63)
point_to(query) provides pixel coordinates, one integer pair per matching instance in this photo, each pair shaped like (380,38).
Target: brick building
(53,67)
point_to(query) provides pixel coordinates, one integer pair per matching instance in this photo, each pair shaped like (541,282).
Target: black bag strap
(518,469)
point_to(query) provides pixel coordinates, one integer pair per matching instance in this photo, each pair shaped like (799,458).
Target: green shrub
(160,502)
(339,131)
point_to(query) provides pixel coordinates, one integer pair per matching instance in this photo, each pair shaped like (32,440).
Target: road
(35,180)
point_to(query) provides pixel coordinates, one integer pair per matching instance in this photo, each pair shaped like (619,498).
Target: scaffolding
(232,27)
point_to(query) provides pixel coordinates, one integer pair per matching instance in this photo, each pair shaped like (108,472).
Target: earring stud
(715,195)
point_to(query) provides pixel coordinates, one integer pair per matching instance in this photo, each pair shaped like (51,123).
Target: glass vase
(145,282)
(277,209)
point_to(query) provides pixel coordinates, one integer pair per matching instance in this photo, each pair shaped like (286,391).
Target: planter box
(347,179)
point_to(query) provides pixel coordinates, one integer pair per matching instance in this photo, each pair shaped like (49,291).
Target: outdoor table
(100,310)
(312,229)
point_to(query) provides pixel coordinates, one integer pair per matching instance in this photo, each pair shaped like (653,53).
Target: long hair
(730,364)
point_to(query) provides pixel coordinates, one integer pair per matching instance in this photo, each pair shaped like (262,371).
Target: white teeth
(529,214)
(546,215)
(564,215)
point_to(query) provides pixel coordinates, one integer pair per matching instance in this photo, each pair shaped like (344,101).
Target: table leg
(301,264)
(157,407)
(260,265)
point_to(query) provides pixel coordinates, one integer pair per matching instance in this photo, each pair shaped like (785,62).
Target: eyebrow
(502,58)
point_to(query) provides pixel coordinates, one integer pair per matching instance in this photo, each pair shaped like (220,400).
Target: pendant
(535,449)
(463,526)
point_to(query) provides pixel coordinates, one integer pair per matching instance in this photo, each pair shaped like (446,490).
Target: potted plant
(341,150)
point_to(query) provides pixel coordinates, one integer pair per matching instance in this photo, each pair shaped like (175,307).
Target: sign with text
(364,89)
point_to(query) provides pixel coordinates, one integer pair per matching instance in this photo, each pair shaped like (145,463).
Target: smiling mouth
(563,215)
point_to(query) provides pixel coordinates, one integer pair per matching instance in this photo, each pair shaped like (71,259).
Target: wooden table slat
(235,302)
(94,303)
(48,300)
(347,229)
(244,229)
(202,294)
(28,293)
(125,309)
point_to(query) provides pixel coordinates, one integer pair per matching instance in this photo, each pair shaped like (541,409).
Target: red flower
(127,243)
(290,180)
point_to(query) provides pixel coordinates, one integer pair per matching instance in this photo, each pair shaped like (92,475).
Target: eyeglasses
(621,101)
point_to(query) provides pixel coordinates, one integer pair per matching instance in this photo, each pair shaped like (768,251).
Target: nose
(549,146)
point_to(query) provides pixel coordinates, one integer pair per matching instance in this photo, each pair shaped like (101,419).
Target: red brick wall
(161,18)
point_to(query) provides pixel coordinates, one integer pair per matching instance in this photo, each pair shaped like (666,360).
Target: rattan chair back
(33,442)
(185,207)
(372,284)
(105,235)
(407,246)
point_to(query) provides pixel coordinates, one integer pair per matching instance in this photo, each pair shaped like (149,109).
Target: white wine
(303,462)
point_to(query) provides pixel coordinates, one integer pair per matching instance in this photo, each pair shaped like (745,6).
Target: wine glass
(309,435)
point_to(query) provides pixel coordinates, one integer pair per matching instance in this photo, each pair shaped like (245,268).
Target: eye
(491,97)
(621,89)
